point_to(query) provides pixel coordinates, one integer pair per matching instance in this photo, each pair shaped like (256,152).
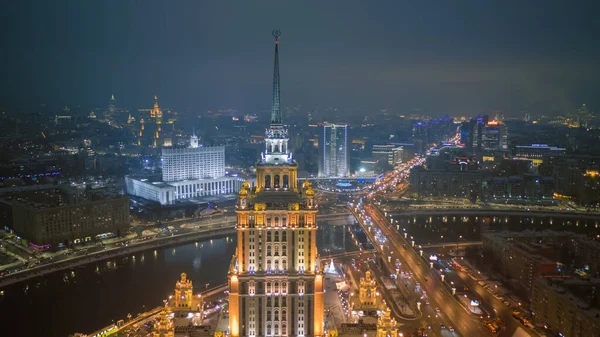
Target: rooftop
(55,197)
(274,198)
(574,291)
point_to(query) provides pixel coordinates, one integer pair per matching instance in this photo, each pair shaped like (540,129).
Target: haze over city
(466,58)
(299,169)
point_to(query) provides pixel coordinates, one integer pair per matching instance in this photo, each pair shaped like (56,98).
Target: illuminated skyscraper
(334,155)
(275,281)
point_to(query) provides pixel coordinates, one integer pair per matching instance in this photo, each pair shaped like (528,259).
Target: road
(430,317)
(464,322)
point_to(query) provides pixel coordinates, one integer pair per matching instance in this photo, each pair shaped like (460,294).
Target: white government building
(191,172)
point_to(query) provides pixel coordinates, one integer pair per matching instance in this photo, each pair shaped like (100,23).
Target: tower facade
(164,327)
(183,293)
(368,292)
(386,325)
(275,281)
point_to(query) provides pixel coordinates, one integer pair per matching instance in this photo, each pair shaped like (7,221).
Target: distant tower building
(466,135)
(156,111)
(334,153)
(112,106)
(275,280)
(491,136)
(472,134)
(584,116)
(494,136)
(420,136)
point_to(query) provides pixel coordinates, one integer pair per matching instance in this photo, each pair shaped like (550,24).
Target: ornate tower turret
(386,325)
(309,194)
(156,111)
(183,293)
(243,195)
(164,327)
(368,292)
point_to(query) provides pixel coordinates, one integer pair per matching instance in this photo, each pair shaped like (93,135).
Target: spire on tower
(276,108)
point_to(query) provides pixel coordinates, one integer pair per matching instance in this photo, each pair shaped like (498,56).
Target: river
(90,297)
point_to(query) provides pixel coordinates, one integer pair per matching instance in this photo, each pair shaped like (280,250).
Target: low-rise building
(166,193)
(158,191)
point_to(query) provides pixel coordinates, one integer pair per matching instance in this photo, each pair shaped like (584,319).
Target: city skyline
(435,63)
(413,170)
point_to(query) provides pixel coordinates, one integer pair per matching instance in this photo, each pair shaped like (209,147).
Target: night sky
(457,57)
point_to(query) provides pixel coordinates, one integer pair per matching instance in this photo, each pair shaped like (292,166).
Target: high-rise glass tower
(334,155)
(275,281)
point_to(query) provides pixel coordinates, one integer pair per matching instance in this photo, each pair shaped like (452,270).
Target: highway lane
(500,309)
(437,294)
(430,317)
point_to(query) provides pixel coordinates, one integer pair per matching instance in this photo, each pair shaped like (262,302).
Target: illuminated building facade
(191,172)
(386,325)
(334,155)
(367,300)
(390,154)
(275,281)
(193,163)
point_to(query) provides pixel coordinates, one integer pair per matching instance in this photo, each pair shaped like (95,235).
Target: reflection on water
(90,297)
(336,239)
(87,298)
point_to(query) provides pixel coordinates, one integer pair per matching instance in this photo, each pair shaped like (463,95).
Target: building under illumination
(193,163)
(275,281)
(390,154)
(191,172)
(334,155)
